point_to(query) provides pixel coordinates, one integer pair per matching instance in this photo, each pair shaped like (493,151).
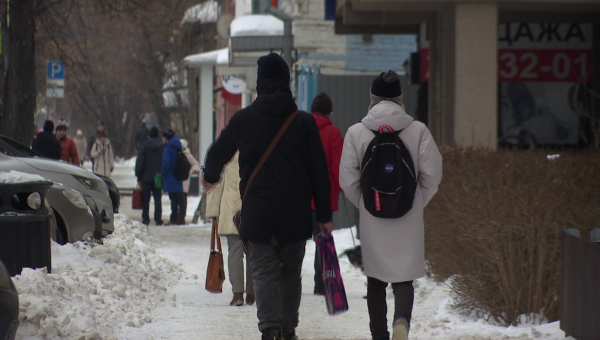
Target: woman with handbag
(222,203)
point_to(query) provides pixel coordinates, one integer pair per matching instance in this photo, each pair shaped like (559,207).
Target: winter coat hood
(274,98)
(175,142)
(153,144)
(321,121)
(387,113)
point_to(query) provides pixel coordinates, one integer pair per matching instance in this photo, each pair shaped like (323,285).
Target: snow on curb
(96,289)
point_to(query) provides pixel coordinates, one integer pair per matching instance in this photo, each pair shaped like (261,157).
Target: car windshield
(27,152)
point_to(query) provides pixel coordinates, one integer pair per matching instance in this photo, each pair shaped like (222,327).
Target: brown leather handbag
(215,273)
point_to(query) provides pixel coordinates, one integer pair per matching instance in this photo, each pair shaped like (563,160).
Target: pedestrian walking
(147,166)
(276,213)
(141,135)
(223,202)
(81,145)
(193,162)
(392,248)
(68,148)
(46,142)
(93,137)
(102,152)
(171,184)
(332,140)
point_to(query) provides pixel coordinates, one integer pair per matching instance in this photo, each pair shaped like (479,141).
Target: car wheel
(61,230)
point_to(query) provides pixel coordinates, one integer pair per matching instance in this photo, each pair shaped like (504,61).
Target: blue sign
(56,70)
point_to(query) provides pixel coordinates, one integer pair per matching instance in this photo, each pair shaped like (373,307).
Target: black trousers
(404,295)
(178,204)
(149,190)
(319,286)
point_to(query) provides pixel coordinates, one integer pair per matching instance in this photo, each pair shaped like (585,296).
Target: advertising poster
(543,69)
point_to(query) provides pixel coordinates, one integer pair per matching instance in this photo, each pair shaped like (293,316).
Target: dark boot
(180,219)
(271,334)
(250,299)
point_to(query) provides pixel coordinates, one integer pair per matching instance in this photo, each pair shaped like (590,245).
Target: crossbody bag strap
(264,157)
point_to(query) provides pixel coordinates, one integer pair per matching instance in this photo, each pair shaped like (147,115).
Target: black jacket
(279,199)
(47,144)
(149,160)
(141,136)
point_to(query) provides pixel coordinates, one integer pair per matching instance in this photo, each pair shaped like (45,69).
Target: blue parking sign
(56,70)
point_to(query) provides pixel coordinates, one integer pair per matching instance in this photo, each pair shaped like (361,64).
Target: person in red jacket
(332,141)
(67,145)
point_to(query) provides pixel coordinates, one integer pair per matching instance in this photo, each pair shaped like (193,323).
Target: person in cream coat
(223,201)
(393,249)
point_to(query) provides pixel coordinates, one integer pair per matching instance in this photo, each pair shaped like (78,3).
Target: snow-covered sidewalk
(148,283)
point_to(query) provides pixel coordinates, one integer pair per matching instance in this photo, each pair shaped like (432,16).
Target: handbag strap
(264,157)
(215,235)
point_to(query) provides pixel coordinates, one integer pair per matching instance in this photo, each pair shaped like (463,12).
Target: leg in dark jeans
(147,191)
(403,304)
(377,308)
(404,296)
(183,203)
(174,197)
(277,283)
(157,195)
(319,286)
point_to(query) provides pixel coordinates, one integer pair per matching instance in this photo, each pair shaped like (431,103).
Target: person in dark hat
(332,140)
(148,164)
(276,216)
(46,142)
(392,248)
(93,137)
(172,185)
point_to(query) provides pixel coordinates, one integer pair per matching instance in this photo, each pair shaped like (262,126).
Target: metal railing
(580,285)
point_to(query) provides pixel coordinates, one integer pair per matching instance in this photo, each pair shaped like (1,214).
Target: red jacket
(332,140)
(69,151)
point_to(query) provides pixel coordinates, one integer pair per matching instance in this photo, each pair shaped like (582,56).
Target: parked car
(9,306)
(80,199)
(20,150)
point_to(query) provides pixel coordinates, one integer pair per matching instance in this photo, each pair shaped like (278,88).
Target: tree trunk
(18,93)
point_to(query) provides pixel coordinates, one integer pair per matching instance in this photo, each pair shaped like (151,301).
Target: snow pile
(202,13)
(259,24)
(13,176)
(95,289)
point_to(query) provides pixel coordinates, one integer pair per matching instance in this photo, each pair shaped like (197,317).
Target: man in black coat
(276,215)
(147,166)
(46,142)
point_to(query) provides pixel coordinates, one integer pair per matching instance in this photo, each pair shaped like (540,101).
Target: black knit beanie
(48,126)
(322,104)
(387,85)
(153,132)
(272,66)
(168,133)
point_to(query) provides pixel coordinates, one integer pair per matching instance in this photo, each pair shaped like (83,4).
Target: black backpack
(182,165)
(388,179)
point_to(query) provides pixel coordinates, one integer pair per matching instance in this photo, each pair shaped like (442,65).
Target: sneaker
(271,334)
(145,222)
(250,299)
(400,329)
(238,299)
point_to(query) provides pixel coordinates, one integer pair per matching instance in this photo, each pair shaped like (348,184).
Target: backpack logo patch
(389,168)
